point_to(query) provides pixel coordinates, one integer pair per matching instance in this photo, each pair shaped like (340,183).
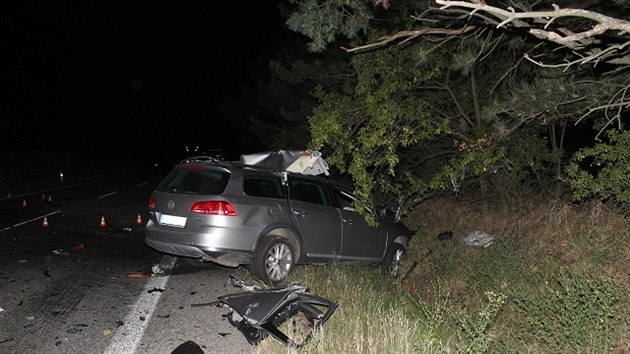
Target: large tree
(443,94)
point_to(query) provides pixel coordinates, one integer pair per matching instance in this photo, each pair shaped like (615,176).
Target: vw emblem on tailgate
(171,204)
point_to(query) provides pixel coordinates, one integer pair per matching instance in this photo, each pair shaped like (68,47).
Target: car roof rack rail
(200,159)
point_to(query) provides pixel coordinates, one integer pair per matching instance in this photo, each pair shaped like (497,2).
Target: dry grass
(552,235)
(532,246)
(440,304)
(362,323)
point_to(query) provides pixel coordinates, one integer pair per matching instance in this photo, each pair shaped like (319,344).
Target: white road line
(31,220)
(127,337)
(64,187)
(107,195)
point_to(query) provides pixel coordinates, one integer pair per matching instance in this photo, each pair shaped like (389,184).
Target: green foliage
(435,318)
(495,271)
(366,129)
(574,316)
(410,124)
(623,4)
(474,327)
(477,158)
(464,113)
(603,171)
(321,21)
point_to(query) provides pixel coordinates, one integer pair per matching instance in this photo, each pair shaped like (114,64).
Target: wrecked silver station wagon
(268,211)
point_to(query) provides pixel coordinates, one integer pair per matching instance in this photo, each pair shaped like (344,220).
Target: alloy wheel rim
(279,260)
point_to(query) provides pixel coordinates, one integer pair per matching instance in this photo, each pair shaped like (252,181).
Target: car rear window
(263,186)
(195,181)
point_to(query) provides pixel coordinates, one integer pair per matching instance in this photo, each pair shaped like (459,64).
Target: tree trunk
(557,153)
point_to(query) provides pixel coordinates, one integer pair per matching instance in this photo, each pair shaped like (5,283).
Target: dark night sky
(130,76)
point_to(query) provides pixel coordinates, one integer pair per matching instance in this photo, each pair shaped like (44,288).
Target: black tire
(274,260)
(393,257)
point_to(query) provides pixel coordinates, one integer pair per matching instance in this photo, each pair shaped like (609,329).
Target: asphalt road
(77,285)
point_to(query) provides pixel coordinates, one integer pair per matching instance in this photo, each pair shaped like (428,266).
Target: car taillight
(214,207)
(151,203)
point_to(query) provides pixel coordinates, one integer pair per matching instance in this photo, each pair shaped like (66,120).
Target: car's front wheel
(274,260)
(392,260)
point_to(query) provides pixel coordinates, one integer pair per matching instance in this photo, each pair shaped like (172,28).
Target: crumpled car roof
(301,161)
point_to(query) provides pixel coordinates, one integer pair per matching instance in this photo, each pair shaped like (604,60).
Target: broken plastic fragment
(262,312)
(236,282)
(478,238)
(156,269)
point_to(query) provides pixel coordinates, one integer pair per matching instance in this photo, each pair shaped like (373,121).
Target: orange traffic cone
(45,223)
(24,203)
(49,199)
(139,220)
(103,221)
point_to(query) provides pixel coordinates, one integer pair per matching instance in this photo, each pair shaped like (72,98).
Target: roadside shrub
(435,317)
(474,327)
(603,171)
(574,315)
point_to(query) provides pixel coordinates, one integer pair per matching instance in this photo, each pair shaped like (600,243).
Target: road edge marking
(127,337)
(31,220)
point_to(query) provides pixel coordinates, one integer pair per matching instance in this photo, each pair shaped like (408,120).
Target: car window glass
(309,191)
(263,186)
(195,181)
(343,199)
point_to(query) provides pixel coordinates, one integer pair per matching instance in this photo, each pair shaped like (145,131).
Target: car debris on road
(260,312)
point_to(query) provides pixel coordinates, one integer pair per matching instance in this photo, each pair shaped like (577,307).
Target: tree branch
(409,35)
(540,26)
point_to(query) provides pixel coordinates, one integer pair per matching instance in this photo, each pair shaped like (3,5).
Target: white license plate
(171,220)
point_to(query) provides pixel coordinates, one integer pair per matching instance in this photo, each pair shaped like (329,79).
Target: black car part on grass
(289,313)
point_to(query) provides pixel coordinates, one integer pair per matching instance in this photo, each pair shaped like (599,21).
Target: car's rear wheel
(274,260)
(393,258)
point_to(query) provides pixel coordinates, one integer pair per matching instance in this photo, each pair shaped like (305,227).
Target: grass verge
(555,280)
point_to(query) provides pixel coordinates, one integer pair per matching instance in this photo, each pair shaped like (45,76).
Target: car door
(360,241)
(318,220)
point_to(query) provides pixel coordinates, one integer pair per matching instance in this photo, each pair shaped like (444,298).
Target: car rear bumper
(228,258)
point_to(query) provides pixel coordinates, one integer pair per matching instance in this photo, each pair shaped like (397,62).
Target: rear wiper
(177,190)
